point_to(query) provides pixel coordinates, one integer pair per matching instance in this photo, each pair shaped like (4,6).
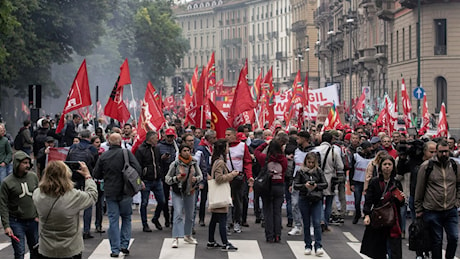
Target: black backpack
(19,140)
(84,154)
(419,236)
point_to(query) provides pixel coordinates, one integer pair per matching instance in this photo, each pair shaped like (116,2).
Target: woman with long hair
(372,168)
(221,174)
(276,166)
(383,242)
(58,205)
(184,176)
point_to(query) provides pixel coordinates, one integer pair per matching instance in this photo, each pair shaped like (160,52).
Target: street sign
(418,93)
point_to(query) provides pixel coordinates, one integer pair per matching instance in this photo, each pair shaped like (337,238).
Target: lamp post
(331,33)
(299,57)
(307,53)
(350,61)
(318,47)
(419,5)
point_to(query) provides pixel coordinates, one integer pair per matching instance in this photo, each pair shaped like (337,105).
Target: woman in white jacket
(58,205)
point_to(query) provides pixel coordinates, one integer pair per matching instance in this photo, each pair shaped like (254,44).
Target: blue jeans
(87,215)
(157,188)
(358,193)
(287,196)
(403,219)
(295,208)
(5,171)
(328,209)
(117,208)
(412,208)
(439,220)
(23,229)
(182,225)
(311,210)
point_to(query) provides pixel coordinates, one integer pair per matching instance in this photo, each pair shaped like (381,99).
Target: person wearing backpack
(84,151)
(40,136)
(272,202)
(310,182)
(437,197)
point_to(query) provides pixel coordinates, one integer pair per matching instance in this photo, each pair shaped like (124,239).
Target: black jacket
(303,177)
(164,147)
(145,158)
(109,168)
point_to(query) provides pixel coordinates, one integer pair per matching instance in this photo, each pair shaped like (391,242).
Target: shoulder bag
(133,183)
(383,216)
(219,195)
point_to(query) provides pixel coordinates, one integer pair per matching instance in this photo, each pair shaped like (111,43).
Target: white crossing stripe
(184,251)
(357,248)
(298,247)
(350,237)
(247,249)
(4,245)
(103,250)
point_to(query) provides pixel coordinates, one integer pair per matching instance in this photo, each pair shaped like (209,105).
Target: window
(403,45)
(440,47)
(397,46)
(441,93)
(410,42)
(391,48)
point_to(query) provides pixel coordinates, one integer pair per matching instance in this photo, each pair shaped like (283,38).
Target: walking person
(310,182)
(383,242)
(109,168)
(276,166)
(221,174)
(183,176)
(59,205)
(148,157)
(437,195)
(6,154)
(100,203)
(17,210)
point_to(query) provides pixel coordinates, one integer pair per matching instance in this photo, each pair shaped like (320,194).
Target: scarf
(395,231)
(186,161)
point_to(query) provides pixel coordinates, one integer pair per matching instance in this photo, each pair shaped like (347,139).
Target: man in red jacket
(238,159)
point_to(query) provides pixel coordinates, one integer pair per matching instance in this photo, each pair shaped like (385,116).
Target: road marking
(247,249)
(4,245)
(350,237)
(185,250)
(103,250)
(298,247)
(357,248)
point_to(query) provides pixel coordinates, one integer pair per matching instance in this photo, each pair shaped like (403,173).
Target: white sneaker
(190,240)
(237,228)
(307,251)
(175,243)
(295,231)
(319,251)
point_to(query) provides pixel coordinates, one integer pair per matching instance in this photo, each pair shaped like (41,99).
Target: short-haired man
(70,131)
(17,210)
(148,156)
(6,154)
(437,197)
(109,168)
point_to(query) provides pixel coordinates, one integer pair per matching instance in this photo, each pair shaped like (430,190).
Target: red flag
(79,95)
(407,107)
(297,98)
(219,86)
(443,129)
(218,121)
(196,115)
(210,75)
(425,115)
(305,90)
(256,89)
(332,120)
(269,97)
(150,118)
(242,100)
(169,102)
(115,107)
(360,107)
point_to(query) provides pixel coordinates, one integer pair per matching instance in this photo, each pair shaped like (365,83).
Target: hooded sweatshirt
(16,193)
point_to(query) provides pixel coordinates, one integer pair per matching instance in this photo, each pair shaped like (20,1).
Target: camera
(73,165)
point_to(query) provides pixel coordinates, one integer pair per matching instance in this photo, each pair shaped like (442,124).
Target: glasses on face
(386,141)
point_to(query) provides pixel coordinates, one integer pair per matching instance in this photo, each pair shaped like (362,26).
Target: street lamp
(307,52)
(299,58)
(331,33)
(350,62)
(318,46)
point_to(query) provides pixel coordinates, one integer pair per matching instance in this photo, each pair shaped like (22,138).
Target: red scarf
(395,231)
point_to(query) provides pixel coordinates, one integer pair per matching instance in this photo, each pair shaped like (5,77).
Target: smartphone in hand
(73,165)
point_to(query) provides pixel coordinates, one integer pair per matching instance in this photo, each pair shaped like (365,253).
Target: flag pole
(132,98)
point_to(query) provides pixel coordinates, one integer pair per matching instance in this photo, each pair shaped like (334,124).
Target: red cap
(241,137)
(347,137)
(170,131)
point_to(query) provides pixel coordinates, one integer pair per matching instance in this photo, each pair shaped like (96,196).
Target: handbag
(383,216)
(263,181)
(219,195)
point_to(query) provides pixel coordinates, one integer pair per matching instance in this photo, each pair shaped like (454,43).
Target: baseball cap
(375,140)
(49,139)
(347,137)
(170,131)
(365,144)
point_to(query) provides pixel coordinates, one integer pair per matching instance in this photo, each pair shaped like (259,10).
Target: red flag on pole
(360,107)
(242,100)
(256,89)
(297,98)
(150,118)
(407,107)
(332,120)
(269,97)
(218,121)
(305,90)
(115,107)
(425,115)
(79,95)
(210,75)
(24,108)
(443,130)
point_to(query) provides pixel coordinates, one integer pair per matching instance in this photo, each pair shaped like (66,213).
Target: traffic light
(180,85)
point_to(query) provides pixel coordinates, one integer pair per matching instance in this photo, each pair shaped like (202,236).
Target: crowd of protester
(40,204)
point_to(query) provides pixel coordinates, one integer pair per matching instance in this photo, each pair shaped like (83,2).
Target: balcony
(440,50)
(367,55)
(269,35)
(280,56)
(236,41)
(321,14)
(275,35)
(261,37)
(411,4)
(264,57)
(343,67)
(386,15)
(381,55)
(255,58)
(251,38)
(299,26)
(337,41)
